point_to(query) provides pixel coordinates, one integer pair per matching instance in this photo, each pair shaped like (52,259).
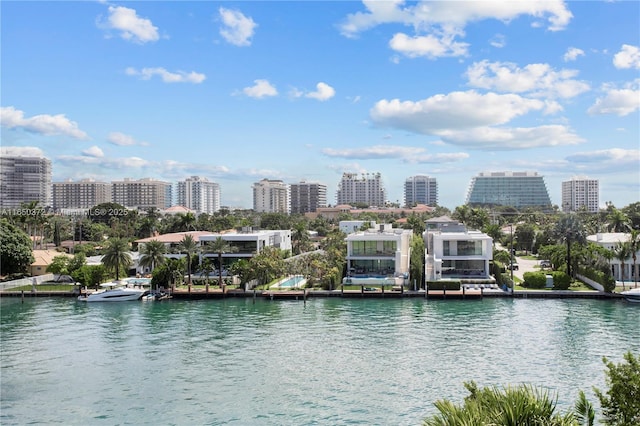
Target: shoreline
(181,294)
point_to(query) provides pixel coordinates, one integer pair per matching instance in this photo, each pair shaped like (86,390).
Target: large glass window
(469,248)
(445,248)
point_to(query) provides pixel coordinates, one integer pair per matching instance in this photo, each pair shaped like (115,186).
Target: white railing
(26,281)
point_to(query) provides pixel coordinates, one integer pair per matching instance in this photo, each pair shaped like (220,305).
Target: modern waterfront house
(609,240)
(379,256)
(246,243)
(453,252)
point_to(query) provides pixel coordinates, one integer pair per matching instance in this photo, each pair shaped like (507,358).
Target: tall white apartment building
(142,193)
(366,188)
(581,192)
(198,194)
(83,194)
(271,196)
(24,179)
(307,197)
(420,189)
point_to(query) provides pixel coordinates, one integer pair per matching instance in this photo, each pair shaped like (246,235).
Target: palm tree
(570,229)
(189,247)
(618,221)
(300,237)
(519,405)
(220,247)
(622,251)
(206,268)
(634,243)
(585,413)
(494,231)
(153,254)
(116,255)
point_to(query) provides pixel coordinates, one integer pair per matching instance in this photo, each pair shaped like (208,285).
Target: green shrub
(534,280)
(561,281)
(602,277)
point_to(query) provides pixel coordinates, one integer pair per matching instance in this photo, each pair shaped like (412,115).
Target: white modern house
(246,243)
(456,253)
(609,240)
(379,256)
(351,226)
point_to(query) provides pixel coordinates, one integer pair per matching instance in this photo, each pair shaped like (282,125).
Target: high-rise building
(271,196)
(307,197)
(83,194)
(581,193)
(24,179)
(420,189)
(198,194)
(515,189)
(366,188)
(142,193)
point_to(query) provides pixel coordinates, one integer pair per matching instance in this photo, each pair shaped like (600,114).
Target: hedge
(561,281)
(534,280)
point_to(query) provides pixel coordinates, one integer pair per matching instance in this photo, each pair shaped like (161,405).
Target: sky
(306,90)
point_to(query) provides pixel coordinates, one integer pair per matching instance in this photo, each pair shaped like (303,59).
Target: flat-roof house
(247,243)
(609,240)
(454,252)
(379,256)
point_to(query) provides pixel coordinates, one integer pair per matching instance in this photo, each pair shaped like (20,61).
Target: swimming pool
(138,281)
(294,281)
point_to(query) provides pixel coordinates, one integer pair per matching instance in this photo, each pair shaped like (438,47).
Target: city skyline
(237,92)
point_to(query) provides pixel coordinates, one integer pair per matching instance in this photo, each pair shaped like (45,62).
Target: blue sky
(241,91)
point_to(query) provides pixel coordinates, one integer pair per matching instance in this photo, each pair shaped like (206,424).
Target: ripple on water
(326,361)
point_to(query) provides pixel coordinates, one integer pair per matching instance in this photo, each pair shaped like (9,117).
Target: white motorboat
(632,295)
(116,291)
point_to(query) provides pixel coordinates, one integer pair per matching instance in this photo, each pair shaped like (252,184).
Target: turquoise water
(323,362)
(291,282)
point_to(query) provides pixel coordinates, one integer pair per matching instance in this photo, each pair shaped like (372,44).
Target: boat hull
(632,296)
(119,295)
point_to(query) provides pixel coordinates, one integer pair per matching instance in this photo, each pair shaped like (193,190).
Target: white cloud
(458,14)
(166,76)
(407,154)
(43,124)
(612,160)
(538,80)
(572,54)
(437,23)
(108,164)
(512,138)
(499,41)
(131,26)
(456,110)
(323,92)
(627,57)
(618,101)
(261,89)
(429,46)
(120,139)
(94,151)
(22,151)
(238,29)
(373,152)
